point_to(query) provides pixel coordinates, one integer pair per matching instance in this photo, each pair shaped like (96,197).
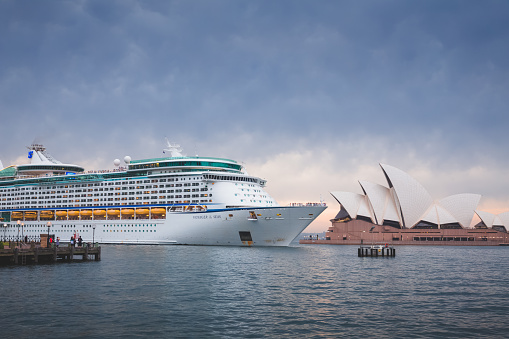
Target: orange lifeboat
(74,213)
(158,210)
(61,213)
(100,212)
(114,212)
(127,211)
(16,215)
(142,211)
(47,214)
(31,214)
(86,213)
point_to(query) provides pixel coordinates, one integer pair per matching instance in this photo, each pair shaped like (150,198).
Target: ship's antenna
(174,149)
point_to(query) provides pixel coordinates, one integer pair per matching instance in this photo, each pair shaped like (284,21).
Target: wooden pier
(36,254)
(376,251)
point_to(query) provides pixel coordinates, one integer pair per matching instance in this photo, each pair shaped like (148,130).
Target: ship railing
(46,175)
(307,204)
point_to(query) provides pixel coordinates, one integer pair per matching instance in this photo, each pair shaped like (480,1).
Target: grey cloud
(116,71)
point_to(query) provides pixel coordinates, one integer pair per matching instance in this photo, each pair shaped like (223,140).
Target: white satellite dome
(127,159)
(116,162)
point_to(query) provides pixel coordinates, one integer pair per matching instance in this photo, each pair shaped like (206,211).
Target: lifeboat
(142,211)
(86,213)
(114,212)
(100,212)
(61,213)
(47,213)
(17,215)
(158,211)
(74,213)
(31,215)
(127,211)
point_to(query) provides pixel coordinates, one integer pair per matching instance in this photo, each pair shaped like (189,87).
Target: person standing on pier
(72,242)
(80,241)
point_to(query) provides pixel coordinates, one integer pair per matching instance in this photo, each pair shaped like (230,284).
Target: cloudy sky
(310,95)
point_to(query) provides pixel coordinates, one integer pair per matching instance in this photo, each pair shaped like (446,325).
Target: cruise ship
(170,200)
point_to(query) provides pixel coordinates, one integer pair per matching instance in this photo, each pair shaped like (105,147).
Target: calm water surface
(300,291)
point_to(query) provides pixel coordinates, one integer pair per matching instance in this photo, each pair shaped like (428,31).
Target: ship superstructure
(170,200)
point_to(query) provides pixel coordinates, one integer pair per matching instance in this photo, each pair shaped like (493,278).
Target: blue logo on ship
(30,154)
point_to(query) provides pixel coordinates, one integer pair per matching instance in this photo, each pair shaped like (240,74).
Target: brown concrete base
(357,232)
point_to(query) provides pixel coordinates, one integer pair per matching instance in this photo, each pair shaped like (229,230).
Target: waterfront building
(403,212)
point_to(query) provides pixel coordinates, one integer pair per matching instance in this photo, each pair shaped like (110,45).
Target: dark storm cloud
(432,74)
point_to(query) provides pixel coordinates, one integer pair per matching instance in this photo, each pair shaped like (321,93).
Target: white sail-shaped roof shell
(407,202)
(444,217)
(438,215)
(486,217)
(377,197)
(504,218)
(461,206)
(497,221)
(366,210)
(431,215)
(413,199)
(391,209)
(350,201)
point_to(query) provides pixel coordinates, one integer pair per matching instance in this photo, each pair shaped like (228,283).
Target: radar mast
(174,149)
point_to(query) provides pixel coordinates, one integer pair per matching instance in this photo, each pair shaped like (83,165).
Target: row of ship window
(88,203)
(129,231)
(43,228)
(105,194)
(116,183)
(161,199)
(154,197)
(114,228)
(130,188)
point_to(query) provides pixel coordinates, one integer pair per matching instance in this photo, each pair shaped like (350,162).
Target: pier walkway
(35,254)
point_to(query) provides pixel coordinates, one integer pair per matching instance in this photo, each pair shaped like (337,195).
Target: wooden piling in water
(37,255)
(375,251)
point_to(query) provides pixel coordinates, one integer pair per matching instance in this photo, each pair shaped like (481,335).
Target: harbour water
(300,291)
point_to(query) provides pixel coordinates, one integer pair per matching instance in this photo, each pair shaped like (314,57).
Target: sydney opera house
(403,212)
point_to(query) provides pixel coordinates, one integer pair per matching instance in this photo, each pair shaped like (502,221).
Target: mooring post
(71,253)
(55,253)
(36,255)
(98,255)
(16,252)
(85,256)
